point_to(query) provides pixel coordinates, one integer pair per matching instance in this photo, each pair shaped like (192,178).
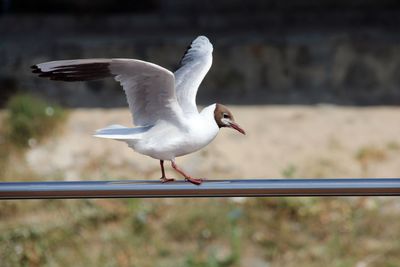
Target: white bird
(163,104)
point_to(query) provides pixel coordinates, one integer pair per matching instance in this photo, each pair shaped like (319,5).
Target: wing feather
(149,88)
(195,64)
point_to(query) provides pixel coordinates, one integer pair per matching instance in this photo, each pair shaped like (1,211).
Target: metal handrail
(209,188)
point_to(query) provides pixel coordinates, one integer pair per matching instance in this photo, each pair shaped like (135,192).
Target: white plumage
(162,103)
(194,66)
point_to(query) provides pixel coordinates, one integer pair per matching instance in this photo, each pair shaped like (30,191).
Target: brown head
(224,118)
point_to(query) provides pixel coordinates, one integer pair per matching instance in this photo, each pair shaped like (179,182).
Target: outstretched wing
(149,88)
(195,64)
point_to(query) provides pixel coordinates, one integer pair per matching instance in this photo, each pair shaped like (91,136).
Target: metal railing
(209,188)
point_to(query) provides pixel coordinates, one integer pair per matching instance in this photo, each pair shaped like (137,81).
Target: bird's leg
(163,178)
(187,177)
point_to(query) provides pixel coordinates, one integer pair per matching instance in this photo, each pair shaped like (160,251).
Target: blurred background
(315,84)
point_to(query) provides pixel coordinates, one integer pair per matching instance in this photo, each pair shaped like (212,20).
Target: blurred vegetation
(289,171)
(26,122)
(226,232)
(203,232)
(31,119)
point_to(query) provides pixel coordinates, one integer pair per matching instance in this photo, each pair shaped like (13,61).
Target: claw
(166,180)
(194,180)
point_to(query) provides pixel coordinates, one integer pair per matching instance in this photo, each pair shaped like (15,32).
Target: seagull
(162,103)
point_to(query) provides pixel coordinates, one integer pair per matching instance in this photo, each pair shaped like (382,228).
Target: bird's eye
(225,115)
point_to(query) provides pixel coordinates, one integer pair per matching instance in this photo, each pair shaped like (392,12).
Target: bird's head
(224,118)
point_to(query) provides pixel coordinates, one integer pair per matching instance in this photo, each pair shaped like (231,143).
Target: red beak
(237,127)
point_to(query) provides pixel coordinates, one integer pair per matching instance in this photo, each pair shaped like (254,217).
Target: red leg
(163,178)
(187,177)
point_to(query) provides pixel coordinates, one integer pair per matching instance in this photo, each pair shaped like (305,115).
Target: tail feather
(113,126)
(119,132)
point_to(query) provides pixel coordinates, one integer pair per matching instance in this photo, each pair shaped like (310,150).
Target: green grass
(200,232)
(31,119)
(289,171)
(27,122)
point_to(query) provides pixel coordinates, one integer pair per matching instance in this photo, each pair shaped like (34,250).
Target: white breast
(166,141)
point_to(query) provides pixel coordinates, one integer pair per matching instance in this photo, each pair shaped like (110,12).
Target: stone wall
(265,64)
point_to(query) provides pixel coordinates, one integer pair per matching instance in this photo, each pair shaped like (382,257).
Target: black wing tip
(184,54)
(75,73)
(35,69)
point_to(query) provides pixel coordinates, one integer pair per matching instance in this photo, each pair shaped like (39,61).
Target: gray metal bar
(210,188)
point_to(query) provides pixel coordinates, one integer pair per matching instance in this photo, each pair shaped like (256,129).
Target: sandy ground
(281,141)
